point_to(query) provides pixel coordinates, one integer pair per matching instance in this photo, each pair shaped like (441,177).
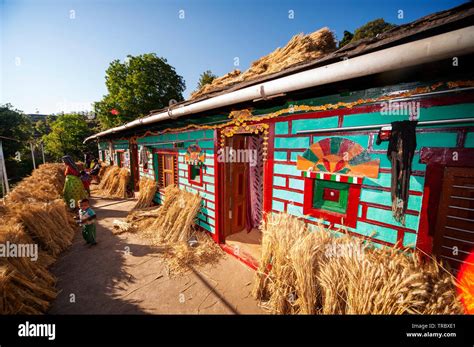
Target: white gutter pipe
(443,46)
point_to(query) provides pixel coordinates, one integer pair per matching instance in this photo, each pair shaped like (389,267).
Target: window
(144,158)
(333,169)
(167,172)
(334,198)
(331,196)
(195,174)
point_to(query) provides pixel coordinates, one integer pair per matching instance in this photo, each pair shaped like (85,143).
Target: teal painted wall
(289,189)
(205,139)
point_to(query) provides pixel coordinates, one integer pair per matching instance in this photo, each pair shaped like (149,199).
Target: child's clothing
(88,227)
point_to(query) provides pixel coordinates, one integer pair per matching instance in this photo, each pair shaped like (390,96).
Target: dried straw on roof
(300,49)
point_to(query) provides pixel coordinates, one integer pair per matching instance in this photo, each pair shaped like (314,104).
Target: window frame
(146,166)
(196,182)
(159,168)
(348,219)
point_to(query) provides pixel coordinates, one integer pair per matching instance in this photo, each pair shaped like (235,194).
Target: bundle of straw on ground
(182,257)
(300,49)
(35,215)
(45,184)
(315,272)
(174,220)
(103,169)
(108,174)
(171,226)
(146,194)
(114,183)
(26,286)
(48,224)
(141,219)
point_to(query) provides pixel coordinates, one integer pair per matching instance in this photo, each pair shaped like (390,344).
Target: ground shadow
(90,276)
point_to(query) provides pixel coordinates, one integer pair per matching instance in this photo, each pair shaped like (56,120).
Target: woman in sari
(73,187)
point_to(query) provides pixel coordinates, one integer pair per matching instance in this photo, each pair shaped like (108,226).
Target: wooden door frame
(134,167)
(228,192)
(219,236)
(437,158)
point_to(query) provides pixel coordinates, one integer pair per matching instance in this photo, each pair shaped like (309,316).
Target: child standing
(87,219)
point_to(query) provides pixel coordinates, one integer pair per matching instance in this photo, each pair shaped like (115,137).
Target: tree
(137,86)
(372,29)
(366,31)
(346,39)
(205,78)
(16,125)
(67,134)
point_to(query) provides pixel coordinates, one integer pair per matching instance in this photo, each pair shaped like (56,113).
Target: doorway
(242,163)
(134,166)
(454,236)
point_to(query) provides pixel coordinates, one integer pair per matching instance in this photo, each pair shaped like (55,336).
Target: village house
(312,140)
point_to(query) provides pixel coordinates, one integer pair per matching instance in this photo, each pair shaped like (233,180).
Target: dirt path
(123,275)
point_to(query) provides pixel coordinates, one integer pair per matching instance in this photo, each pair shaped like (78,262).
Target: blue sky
(54,53)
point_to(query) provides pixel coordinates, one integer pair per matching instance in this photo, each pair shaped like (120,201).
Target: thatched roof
(430,25)
(301,48)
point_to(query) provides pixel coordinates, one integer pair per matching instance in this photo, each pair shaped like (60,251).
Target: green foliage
(366,31)
(346,39)
(137,86)
(16,125)
(205,78)
(372,29)
(67,134)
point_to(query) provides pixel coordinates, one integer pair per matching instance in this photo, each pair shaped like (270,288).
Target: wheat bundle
(279,234)
(103,169)
(49,224)
(142,219)
(33,215)
(147,192)
(181,257)
(306,255)
(114,183)
(176,217)
(170,226)
(316,272)
(44,184)
(26,286)
(300,49)
(108,174)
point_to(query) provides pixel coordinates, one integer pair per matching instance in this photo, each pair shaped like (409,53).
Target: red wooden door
(235,190)
(134,165)
(454,236)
